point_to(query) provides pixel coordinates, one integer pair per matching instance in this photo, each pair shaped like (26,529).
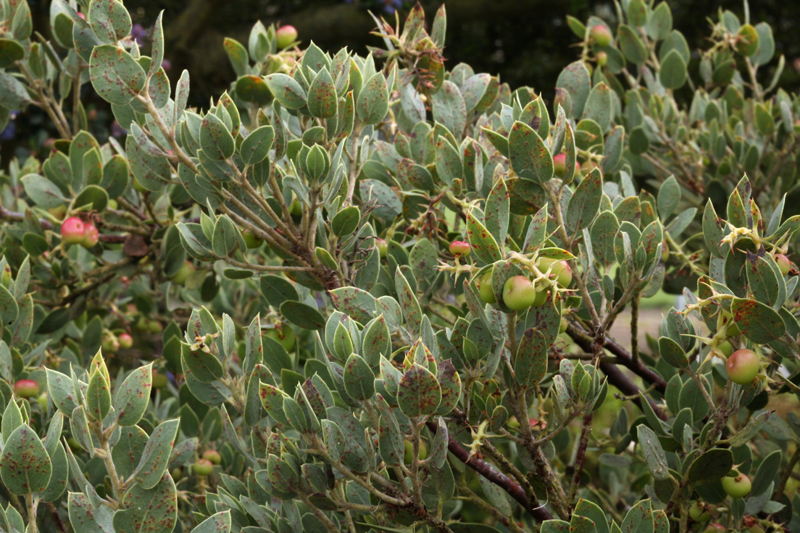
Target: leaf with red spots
(359,381)
(639,518)
(85,518)
(498,205)
(530,364)
(585,203)
(109,20)
(483,244)
(148,511)
(286,90)
(355,302)
(215,139)
(25,466)
(419,393)
(218,523)
(116,75)
(98,397)
(576,81)
(127,452)
(373,100)
(133,395)
(156,454)
(408,302)
(756,321)
(322,101)
(530,157)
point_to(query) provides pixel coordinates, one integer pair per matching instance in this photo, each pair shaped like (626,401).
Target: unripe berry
(296,209)
(382,247)
(73,231)
(110,343)
(518,293)
(251,240)
(698,512)
(726,348)
(541,296)
(284,335)
(784,264)
(742,366)
(213,456)
(183,274)
(715,528)
(203,467)
(664,251)
(601,35)
(458,248)
(26,388)
(286,35)
(125,341)
(58,212)
(602,58)
(485,288)
(560,271)
(737,487)
(154,326)
(91,237)
(562,328)
(42,400)
(159,380)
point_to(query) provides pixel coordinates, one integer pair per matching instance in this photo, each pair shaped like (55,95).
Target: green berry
(485,288)
(183,274)
(518,293)
(737,487)
(213,456)
(203,467)
(601,35)
(382,246)
(784,264)
(284,335)
(698,512)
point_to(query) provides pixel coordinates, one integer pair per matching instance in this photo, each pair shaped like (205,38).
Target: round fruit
(154,326)
(541,296)
(183,274)
(138,186)
(250,240)
(176,473)
(518,293)
(715,528)
(733,328)
(74,445)
(284,335)
(784,264)
(698,512)
(110,343)
(286,35)
(737,487)
(91,237)
(409,451)
(42,399)
(602,58)
(73,231)
(382,247)
(112,204)
(213,456)
(26,388)
(560,271)
(743,366)
(601,35)
(560,165)
(125,341)
(562,328)
(726,348)
(458,248)
(296,208)
(159,380)
(485,288)
(203,467)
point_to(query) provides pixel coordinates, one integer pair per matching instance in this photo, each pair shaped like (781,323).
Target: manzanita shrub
(371,293)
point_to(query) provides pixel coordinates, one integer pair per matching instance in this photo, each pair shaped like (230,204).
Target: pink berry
(460,248)
(125,340)
(73,231)
(26,388)
(91,237)
(286,35)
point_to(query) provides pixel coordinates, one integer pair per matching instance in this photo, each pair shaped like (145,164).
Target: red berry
(519,293)
(213,456)
(125,341)
(73,231)
(91,237)
(601,35)
(26,388)
(784,264)
(203,467)
(560,165)
(286,35)
(742,366)
(458,248)
(737,487)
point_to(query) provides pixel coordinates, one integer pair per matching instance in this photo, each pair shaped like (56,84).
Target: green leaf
(133,396)
(25,466)
(530,364)
(673,71)
(359,381)
(215,139)
(204,366)
(109,21)
(660,23)
(450,109)
(60,475)
(157,48)
(766,472)
(654,455)
(12,92)
(346,221)
(576,81)
(599,106)
(373,100)
(631,45)
(302,315)
(217,523)
(42,191)
(156,454)
(594,513)
(98,397)
(322,101)
(255,148)
(253,89)
(115,74)
(585,203)
(711,467)
(639,518)
(483,244)
(286,91)
(86,518)
(672,353)
(408,302)
(357,303)
(530,157)
(143,510)
(237,54)
(277,289)
(757,321)
(10,52)
(668,197)
(419,392)
(498,204)
(554,526)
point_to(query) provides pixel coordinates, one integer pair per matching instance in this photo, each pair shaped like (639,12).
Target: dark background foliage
(526,42)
